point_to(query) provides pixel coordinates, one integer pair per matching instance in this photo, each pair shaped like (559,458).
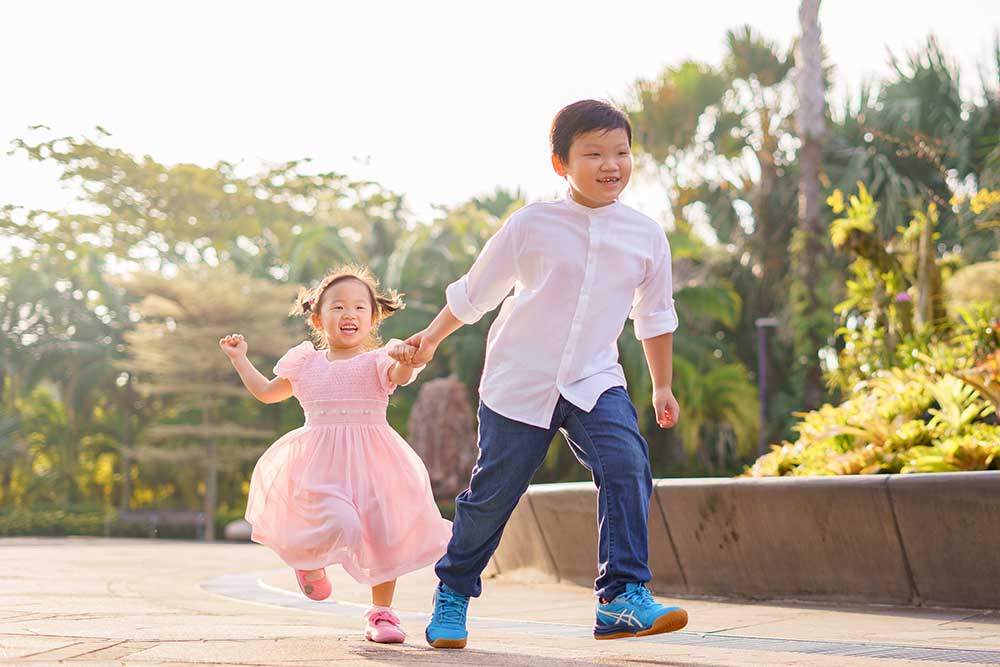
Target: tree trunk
(930,309)
(126,459)
(772,255)
(808,267)
(810,125)
(211,480)
(6,496)
(5,499)
(71,451)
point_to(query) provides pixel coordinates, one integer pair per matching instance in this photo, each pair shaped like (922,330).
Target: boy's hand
(667,410)
(234,346)
(423,346)
(402,353)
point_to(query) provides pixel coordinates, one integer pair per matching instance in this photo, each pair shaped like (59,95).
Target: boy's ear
(558,165)
(315,320)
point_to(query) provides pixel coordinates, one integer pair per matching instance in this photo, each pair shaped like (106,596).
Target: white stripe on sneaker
(627,617)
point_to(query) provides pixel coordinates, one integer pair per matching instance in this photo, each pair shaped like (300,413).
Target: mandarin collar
(586,210)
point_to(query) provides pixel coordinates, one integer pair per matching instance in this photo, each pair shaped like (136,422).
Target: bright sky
(438,100)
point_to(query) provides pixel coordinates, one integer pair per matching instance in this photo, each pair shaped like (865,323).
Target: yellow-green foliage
(921,382)
(899,421)
(861,210)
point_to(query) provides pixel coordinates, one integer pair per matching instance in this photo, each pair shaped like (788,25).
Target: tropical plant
(891,423)
(723,142)
(920,385)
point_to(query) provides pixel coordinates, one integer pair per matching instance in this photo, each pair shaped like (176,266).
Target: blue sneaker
(447,626)
(635,613)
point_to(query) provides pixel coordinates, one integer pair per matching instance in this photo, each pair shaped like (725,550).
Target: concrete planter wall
(929,539)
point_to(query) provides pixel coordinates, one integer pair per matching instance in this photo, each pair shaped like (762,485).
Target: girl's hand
(402,353)
(667,410)
(424,348)
(234,346)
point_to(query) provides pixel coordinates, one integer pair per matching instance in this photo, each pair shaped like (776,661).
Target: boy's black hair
(582,117)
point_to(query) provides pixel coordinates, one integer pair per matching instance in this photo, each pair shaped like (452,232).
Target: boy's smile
(599,166)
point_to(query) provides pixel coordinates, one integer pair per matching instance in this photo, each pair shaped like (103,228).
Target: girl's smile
(345,315)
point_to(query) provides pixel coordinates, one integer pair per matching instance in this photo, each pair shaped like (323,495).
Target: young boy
(578,268)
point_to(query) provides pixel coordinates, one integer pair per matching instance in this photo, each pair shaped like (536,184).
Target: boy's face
(599,166)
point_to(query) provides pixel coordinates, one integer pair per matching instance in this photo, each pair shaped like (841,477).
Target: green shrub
(921,381)
(92,521)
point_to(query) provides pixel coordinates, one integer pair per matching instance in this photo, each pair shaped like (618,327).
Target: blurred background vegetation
(849,255)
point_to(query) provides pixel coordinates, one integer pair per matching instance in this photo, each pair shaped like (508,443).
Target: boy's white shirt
(577,273)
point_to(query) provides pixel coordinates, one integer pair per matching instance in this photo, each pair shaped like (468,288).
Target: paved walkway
(146,602)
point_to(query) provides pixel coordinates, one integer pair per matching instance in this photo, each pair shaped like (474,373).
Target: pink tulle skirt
(353,494)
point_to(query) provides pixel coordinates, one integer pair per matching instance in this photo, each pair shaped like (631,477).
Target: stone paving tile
(144,602)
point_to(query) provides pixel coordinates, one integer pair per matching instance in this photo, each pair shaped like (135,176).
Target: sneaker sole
(448,643)
(669,622)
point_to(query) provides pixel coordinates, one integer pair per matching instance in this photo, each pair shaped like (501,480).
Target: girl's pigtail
(303,303)
(388,303)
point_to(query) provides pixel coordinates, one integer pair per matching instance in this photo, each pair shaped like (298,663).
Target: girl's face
(345,314)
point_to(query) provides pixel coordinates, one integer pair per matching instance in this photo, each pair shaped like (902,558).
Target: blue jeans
(606,441)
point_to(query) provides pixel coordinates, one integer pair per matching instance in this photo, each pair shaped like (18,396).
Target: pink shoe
(383,626)
(319,589)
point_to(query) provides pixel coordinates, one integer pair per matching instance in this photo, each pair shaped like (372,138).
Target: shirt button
(343,412)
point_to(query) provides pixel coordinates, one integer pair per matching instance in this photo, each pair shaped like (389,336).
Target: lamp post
(764,325)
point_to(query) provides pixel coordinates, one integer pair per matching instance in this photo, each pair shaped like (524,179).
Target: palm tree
(54,334)
(903,136)
(708,306)
(722,138)
(810,123)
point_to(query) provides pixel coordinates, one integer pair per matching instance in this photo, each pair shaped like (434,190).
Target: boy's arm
(660,359)
(479,291)
(655,320)
(424,344)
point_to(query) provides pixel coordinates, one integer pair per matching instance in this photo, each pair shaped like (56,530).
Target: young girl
(345,488)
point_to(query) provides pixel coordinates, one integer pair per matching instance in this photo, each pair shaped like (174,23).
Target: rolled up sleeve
(490,279)
(653,310)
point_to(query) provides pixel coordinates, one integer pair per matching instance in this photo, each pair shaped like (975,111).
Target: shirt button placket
(593,238)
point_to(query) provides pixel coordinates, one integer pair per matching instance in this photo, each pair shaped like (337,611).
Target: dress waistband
(362,412)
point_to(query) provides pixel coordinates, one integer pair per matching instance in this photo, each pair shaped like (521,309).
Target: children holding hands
(347,489)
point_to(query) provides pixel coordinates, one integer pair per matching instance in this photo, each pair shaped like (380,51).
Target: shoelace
(640,596)
(450,606)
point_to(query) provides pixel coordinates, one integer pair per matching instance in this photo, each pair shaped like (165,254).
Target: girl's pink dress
(345,488)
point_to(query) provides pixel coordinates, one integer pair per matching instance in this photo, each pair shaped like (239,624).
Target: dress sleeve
(291,363)
(384,363)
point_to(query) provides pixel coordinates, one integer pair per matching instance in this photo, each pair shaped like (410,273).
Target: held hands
(402,353)
(234,346)
(421,349)
(665,406)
